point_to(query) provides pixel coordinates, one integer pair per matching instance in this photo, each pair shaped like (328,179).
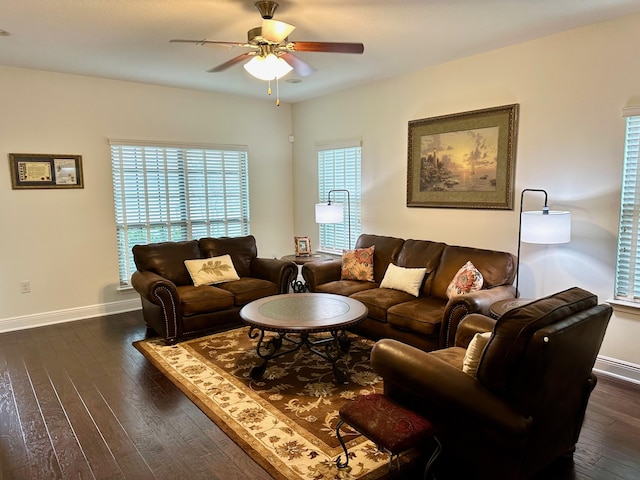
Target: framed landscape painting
(463,160)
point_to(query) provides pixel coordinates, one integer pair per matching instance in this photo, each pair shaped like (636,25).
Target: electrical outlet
(25,286)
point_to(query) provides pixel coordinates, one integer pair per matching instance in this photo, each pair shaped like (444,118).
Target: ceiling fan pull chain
(269,87)
(277,93)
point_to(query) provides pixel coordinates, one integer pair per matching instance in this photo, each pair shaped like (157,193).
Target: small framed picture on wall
(303,246)
(35,170)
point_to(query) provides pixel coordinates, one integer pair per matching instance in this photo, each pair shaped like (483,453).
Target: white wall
(64,241)
(571,88)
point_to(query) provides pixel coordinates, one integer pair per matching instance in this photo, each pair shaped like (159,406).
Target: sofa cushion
(241,249)
(407,280)
(386,252)
(203,299)
(511,333)
(421,253)
(467,279)
(167,259)
(379,300)
(497,268)
(454,356)
(209,271)
(357,264)
(345,287)
(248,289)
(422,315)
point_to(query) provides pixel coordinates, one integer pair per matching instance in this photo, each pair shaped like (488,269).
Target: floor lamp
(543,227)
(334,212)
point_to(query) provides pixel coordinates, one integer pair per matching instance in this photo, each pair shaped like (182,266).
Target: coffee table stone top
(306,312)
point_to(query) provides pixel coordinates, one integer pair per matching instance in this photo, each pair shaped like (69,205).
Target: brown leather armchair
(526,405)
(173,307)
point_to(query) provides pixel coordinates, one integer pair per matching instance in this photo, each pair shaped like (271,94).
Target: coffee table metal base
(333,348)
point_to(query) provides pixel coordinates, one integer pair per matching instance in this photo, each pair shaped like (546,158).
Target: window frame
(173,192)
(627,274)
(340,168)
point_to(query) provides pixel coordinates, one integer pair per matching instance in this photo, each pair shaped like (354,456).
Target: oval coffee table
(295,317)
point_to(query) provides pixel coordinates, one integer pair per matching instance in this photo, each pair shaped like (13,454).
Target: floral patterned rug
(286,420)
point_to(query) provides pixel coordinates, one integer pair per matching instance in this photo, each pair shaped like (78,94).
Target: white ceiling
(129,39)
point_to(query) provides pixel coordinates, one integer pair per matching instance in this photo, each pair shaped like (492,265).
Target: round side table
(501,307)
(299,286)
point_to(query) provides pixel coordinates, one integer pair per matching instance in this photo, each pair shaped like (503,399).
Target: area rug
(286,420)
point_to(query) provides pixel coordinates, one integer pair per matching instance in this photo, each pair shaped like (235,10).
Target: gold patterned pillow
(209,271)
(358,264)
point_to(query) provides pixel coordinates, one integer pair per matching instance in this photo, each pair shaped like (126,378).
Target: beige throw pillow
(474,353)
(209,271)
(358,264)
(404,279)
(467,279)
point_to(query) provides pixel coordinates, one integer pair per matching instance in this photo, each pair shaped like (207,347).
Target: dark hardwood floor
(78,401)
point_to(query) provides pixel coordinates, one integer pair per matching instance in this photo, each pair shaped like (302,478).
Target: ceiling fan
(271,52)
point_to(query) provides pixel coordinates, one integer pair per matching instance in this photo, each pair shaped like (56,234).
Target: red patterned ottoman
(390,426)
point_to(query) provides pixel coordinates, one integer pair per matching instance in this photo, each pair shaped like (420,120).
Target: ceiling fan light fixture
(276,31)
(269,67)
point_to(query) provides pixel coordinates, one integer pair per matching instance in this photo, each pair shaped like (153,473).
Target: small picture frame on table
(303,246)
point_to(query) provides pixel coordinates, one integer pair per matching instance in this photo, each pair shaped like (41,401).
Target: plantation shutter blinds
(173,193)
(339,168)
(628,260)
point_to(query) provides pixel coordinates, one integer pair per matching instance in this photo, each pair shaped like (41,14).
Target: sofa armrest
(280,272)
(460,306)
(444,385)
(317,273)
(147,284)
(470,325)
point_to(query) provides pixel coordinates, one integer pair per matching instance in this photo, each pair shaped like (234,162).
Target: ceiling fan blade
(231,63)
(204,41)
(333,47)
(275,31)
(301,67)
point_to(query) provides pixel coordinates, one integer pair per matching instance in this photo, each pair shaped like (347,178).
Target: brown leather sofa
(430,320)
(173,307)
(525,406)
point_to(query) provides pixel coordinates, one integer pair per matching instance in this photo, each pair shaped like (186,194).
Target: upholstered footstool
(393,428)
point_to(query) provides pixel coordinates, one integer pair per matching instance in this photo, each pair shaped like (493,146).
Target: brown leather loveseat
(428,321)
(173,307)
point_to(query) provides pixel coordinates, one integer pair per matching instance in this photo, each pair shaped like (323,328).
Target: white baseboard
(613,367)
(68,315)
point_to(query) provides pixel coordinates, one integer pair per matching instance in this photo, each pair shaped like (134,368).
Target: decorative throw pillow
(404,279)
(209,271)
(474,353)
(358,264)
(468,279)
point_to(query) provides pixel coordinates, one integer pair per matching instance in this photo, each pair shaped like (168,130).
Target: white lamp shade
(276,31)
(329,213)
(546,229)
(267,68)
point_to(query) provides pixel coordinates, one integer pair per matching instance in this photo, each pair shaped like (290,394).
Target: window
(627,286)
(176,192)
(339,168)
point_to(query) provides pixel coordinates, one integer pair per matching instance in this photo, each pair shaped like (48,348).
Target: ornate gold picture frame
(303,246)
(463,160)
